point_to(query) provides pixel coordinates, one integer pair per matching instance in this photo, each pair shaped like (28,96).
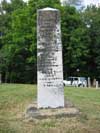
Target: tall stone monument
(49,59)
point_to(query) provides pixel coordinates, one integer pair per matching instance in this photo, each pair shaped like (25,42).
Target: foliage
(75,42)
(21,39)
(91,18)
(80,39)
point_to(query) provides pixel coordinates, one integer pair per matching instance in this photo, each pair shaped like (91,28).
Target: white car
(75,81)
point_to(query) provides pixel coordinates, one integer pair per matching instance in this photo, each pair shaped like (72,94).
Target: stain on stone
(49,53)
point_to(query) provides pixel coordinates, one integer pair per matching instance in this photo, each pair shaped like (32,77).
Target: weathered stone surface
(49,59)
(33,113)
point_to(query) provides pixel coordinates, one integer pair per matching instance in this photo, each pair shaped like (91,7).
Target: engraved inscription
(49,59)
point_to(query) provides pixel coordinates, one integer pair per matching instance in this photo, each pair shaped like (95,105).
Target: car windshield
(72,78)
(69,79)
(82,78)
(75,79)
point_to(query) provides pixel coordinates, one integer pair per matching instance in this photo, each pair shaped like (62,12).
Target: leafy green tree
(80,39)
(92,20)
(6,10)
(75,40)
(21,39)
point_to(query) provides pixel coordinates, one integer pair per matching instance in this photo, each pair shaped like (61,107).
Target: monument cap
(48,9)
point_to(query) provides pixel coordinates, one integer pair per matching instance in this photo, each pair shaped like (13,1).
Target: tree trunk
(0,78)
(6,77)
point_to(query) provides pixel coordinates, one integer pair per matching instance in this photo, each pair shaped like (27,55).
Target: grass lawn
(14,98)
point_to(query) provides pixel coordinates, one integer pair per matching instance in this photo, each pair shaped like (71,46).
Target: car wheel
(63,84)
(80,85)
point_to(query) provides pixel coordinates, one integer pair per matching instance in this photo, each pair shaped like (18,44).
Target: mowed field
(15,98)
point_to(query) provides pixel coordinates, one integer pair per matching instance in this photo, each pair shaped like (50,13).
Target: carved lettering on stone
(49,59)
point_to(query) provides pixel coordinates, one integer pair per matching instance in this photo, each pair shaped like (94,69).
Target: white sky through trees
(9,0)
(86,2)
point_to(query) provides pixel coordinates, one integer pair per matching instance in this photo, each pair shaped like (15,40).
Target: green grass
(14,99)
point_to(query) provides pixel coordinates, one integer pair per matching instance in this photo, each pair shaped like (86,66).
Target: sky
(86,2)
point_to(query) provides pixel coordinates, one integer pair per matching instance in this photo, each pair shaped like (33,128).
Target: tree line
(80,40)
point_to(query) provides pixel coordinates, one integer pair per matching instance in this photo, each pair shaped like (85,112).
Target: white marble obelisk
(49,59)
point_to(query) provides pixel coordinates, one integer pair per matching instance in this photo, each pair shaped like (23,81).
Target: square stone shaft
(49,59)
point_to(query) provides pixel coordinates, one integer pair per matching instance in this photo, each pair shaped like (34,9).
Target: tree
(92,20)
(75,40)
(21,39)
(6,10)
(80,39)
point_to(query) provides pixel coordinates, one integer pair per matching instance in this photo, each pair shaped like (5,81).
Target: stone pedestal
(49,59)
(32,113)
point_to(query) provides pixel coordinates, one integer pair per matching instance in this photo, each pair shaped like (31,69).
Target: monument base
(32,112)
